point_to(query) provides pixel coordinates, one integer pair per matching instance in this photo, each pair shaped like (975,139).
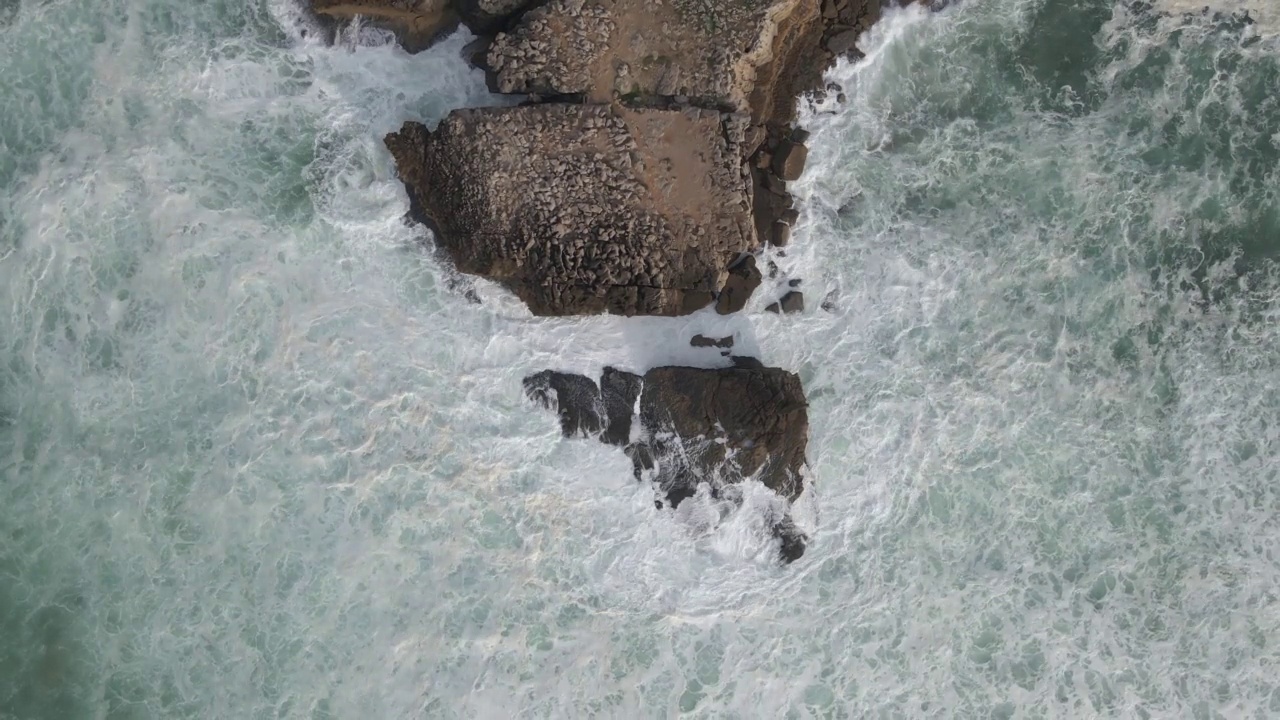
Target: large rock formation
(582,209)
(689,426)
(638,201)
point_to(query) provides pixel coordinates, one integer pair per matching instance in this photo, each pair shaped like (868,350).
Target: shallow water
(260,456)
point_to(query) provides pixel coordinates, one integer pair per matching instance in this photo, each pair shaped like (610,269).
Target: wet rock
(744,55)
(702,341)
(575,397)
(743,280)
(792,302)
(789,160)
(843,42)
(695,426)
(619,391)
(584,209)
(487,16)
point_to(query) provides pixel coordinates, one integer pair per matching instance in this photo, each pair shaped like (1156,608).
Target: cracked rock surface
(583,209)
(691,426)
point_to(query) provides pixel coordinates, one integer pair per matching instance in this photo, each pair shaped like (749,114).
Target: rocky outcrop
(583,209)
(417,24)
(647,166)
(716,54)
(685,427)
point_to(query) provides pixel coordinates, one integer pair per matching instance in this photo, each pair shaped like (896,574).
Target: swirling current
(263,456)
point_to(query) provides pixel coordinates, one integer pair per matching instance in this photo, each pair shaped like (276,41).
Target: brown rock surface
(731,423)
(582,209)
(484,16)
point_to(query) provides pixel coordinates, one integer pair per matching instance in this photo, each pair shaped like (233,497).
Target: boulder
(702,341)
(584,209)
(792,302)
(744,278)
(789,160)
(685,426)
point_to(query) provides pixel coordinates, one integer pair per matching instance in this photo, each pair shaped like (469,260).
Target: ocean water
(263,455)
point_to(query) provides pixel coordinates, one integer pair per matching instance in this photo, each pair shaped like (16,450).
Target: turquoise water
(261,457)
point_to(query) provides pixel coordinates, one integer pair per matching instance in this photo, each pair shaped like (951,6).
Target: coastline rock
(487,16)
(583,209)
(789,159)
(744,278)
(792,302)
(702,341)
(694,426)
(753,56)
(417,24)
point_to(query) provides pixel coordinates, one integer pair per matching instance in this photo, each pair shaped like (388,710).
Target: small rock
(843,42)
(789,160)
(792,302)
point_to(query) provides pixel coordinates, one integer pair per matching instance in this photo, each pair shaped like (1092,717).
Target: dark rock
(488,16)
(792,302)
(745,362)
(829,301)
(843,42)
(781,235)
(702,341)
(575,397)
(744,278)
(789,160)
(792,540)
(729,424)
(777,186)
(696,426)
(619,391)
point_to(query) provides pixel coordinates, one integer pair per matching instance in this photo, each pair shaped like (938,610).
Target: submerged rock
(583,209)
(688,426)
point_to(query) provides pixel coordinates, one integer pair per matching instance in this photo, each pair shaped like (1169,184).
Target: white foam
(277,463)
